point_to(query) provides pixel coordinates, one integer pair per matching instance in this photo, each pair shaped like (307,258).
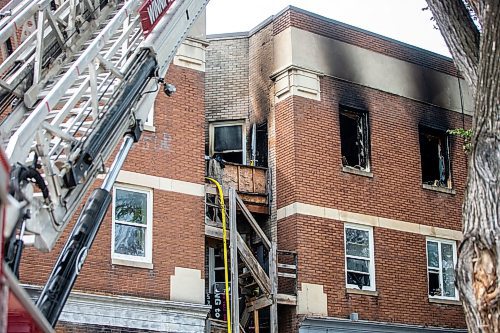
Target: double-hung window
(359,257)
(132,224)
(441,260)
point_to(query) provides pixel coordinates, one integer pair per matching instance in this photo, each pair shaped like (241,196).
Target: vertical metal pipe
(115,168)
(72,257)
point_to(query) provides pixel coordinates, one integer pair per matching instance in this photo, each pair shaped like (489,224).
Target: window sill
(439,189)
(361,292)
(149,128)
(131,263)
(444,301)
(358,172)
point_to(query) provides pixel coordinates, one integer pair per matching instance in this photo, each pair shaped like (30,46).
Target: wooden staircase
(255,280)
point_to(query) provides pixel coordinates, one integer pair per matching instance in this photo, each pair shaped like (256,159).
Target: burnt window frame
(442,134)
(211,135)
(364,116)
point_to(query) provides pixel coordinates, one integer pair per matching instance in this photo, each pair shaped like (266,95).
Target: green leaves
(464,134)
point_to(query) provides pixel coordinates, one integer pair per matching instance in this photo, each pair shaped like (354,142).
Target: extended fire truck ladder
(76,77)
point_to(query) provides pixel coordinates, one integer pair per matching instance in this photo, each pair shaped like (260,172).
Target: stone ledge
(357,172)
(444,301)
(439,189)
(361,292)
(131,263)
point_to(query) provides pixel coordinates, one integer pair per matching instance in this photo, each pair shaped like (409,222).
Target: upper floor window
(441,259)
(227,140)
(132,224)
(359,257)
(435,158)
(354,139)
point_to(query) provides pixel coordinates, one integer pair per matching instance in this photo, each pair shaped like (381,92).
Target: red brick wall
(400,273)
(309,160)
(309,170)
(365,39)
(175,150)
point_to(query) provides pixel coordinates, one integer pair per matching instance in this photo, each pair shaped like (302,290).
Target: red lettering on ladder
(151,12)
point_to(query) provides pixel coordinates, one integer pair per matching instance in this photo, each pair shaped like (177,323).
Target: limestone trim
(312,300)
(160,183)
(361,292)
(187,285)
(191,54)
(295,81)
(351,63)
(363,219)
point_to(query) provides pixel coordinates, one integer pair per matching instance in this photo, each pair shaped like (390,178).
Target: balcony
(250,182)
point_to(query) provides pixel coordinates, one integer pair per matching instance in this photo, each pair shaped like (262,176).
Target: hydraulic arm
(76,77)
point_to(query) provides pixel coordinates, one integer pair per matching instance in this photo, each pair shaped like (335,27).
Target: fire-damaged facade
(364,182)
(301,179)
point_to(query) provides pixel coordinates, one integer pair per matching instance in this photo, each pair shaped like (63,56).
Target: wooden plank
(287,275)
(286,266)
(256,321)
(245,317)
(260,180)
(253,265)
(211,267)
(273,311)
(246,255)
(213,232)
(286,299)
(253,223)
(233,236)
(259,303)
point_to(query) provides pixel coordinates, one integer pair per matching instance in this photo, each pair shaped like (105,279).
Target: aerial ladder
(76,78)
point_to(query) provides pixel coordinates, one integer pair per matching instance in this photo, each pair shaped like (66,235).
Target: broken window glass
(435,159)
(441,269)
(358,258)
(354,139)
(227,142)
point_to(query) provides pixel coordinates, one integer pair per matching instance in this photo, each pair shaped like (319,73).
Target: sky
(403,20)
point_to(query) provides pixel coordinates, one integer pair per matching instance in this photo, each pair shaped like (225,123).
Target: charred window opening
(354,139)
(227,141)
(435,158)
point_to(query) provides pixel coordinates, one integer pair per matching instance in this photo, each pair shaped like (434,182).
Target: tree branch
(460,34)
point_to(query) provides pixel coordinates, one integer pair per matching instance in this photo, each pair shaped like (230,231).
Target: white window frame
(129,260)
(211,137)
(454,247)
(371,266)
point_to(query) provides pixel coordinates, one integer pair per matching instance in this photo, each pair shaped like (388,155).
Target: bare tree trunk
(478,269)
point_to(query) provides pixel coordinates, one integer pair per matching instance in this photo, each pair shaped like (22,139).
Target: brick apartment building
(360,189)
